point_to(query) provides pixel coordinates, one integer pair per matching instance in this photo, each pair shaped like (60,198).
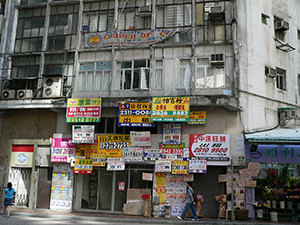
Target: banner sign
(197,166)
(171,154)
(152,154)
(273,153)
(212,147)
(197,117)
(62,149)
(112,145)
(130,37)
(86,150)
(22,155)
(133,154)
(135,114)
(83,166)
(140,138)
(163,166)
(83,110)
(180,167)
(115,164)
(98,159)
(83,134)
(171,133)
(161,145)
(170,109)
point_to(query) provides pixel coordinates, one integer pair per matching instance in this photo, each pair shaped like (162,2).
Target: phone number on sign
(212,150)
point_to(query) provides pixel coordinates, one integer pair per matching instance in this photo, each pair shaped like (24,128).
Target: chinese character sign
(83,110)
(62,149)
(273,153)
(170,109)
(197,166)
(112,145)
(197,117)
(84,166)
(180,167)
(213,147)
(83,133)
(171,133)
(135,114)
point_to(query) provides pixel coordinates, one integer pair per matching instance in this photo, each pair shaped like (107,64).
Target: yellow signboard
(86,150)
(98,159)
(84,166)
(197,117)
(112,145)
(170,109)
(180,167)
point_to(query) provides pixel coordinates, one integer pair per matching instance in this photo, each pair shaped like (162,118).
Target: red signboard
(121,186)
(91,111)
(22,148)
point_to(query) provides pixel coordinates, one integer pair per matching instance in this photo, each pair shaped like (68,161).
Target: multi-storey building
(242,57)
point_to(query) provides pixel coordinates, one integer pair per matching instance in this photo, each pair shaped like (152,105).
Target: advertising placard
(163,166)
(86,150)
(135,114)
(170,109)
(147,176)
(115,164)
(98,159)
(180,167)
(62,149)
(21,156)
(83,166)
(197,117)
(83,133)
(133,154)
(121,186)
(161,145)
(83,110)
(212,147)
(197,166)
(171,133)
(140,138)
(170,154)
(112,145)
(152,154)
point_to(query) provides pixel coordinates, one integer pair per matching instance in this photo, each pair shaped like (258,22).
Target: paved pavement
(120,218)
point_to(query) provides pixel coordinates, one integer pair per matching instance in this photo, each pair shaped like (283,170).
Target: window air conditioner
(216,9)
(281,25)
(23,94)
(8,94)
(270,72)
(144,78)
(217,59)
(145,10)
(52,87)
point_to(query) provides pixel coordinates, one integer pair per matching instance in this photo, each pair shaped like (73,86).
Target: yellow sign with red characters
(83,166)
(112,145)
(197,117)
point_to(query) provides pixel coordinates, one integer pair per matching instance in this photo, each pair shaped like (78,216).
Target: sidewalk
(110,217)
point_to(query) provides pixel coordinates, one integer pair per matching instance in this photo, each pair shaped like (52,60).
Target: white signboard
(115,164)
(163,166)
(197,166)
(171,133)
(133,154)
(140,138)
(152,154)
(83,133)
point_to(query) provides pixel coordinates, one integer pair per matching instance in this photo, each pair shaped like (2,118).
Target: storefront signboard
(86,150)
(169,154)
(133,154)
(135,114)
(197,166)
(197,117)
(163,166)
(170,109)
(115,164)
(212,147)
(62,149)
(83,133)
(21,156)
(98,159)
(112,145)
(180,167)
(83,166)
(140,138)
(121,186)
(83,110)
(273,153)
(171,133)
(152,154)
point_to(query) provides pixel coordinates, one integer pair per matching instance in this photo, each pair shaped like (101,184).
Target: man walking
(189,203)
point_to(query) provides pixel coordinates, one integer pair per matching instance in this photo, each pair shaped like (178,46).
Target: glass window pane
(93,22)
(220,77)
(181,78)
(136,79)
(188,15)
(127,81)
(202,61)
(98,80)
(158,79)
(103,21)
(200,77)
(89,81)
(106,80)
(210,77)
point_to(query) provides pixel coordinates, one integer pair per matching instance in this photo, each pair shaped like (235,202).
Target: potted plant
(259,206)
(241,214)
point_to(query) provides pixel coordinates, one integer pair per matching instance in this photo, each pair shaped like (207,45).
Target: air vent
(217,59)
(270,72)
(216,9)
(281,25)
(23,94)
(8,94)
(52,87)
(145,10)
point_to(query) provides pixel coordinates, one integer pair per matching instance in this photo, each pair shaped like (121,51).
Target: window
(209,76)
(63,27)
(99,16)
(298,34)
(133,74)
(30,30)
(159,71)
(181,74)
(280,26)
(94,76)
(280,79)
(27,2)
(264,18)
(61,65)
(25,66)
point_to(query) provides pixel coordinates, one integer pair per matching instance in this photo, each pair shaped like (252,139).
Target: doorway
(44,187)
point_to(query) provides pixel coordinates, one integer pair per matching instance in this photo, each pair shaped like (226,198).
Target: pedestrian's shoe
(194,219)
(179,217)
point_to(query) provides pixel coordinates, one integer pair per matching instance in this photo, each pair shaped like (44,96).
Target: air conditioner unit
(281,25)
(145,10)
(8,94)
(52,87)
(23,94)
(144,78)
(216,9)
(217,59)
(270,72)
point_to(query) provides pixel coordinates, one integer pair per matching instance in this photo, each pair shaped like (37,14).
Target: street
(24,220)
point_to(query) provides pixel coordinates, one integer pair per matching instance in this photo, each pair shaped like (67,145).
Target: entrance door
(20,179)
(44,187)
